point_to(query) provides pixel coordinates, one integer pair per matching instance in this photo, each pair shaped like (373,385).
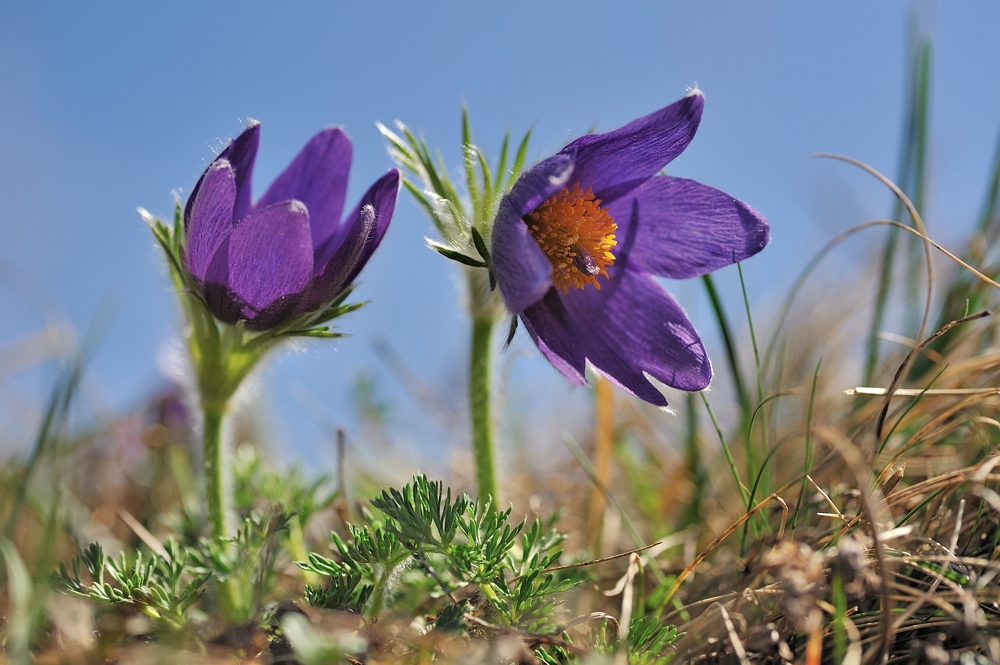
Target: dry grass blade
(906,363)
(917,392)
(627,593)
(143,533)
(734,638)
(592,562)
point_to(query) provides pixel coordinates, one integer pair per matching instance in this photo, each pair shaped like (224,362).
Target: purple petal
(679,228)
(632,325)
(335,275)
(382,197)
(522,270)
(317,177)
(241,153)
(541,181)
(211,217)
(263,265)
(619,161)
(550,327)
(337,267)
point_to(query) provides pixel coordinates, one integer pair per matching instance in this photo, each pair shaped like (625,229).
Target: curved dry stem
(843,236)
(898,378)
(914,215)
(919,222)
(889,222)
(830,245)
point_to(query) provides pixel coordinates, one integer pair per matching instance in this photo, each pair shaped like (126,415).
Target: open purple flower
(580,235)
(290,253)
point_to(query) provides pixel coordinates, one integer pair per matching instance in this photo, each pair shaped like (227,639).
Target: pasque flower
(580,236)
(280,267)
(290,252)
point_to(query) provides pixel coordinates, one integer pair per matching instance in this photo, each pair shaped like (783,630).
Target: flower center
(576,234)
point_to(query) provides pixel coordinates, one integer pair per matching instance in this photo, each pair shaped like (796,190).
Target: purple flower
(579,237)
(290,253)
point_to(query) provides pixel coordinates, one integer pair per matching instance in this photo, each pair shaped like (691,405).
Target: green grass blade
(55,414)
(918,182)
(759,523)
(966,293)
(760,381)
(909,407)
(727,338)
(916,113)
(729,454)
(695,465)
(588,468)
(21,604)
(807,467)
(989,214)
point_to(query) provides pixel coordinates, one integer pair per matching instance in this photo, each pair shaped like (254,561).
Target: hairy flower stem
(381,588)
(216,458)
(222,359)
(217,499)
(214,391)
(479,408)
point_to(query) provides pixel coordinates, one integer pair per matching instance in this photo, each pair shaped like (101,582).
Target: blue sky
(109,106)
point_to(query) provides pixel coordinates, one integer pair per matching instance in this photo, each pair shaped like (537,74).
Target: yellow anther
(576,234)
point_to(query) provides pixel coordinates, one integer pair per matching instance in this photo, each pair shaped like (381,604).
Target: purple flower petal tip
(577,240)
(258,262)
(317,177)
(614,163)
(341,260)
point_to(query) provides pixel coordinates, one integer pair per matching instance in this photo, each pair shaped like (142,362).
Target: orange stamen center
(577,235)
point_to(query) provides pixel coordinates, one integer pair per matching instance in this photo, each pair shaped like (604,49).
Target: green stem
(911,170)
(215,469)
(479,407)
(760,388)
(381,587)
(694,464)
(217,497)
(727,338)
(809,448)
